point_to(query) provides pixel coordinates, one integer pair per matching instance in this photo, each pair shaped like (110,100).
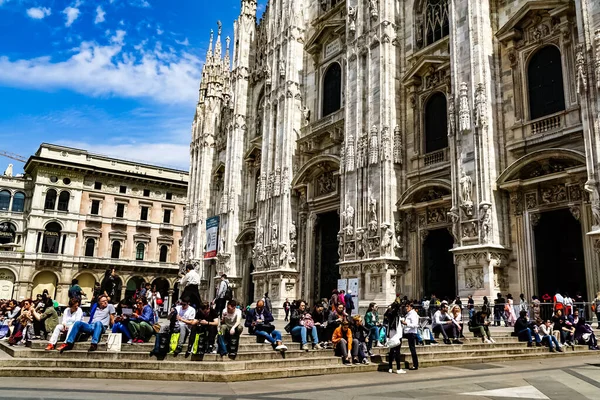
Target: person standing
(349,302)
(471,306)
(509,310)
(286,308)
(154,299)
(596,308)
(268,305)
(222,291)
(392,315)
(75,291)
(499,310)
(535,308)
(191,284)
(411,324)
(108,286)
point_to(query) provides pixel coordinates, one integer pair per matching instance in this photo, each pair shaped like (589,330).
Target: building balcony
(120,262)
(143,224)
(118,221)
(93,218)
(11,255)
(167,227)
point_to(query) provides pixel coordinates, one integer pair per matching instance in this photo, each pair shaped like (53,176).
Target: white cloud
(186,42)
(159,31)
(107,70)
(100,15)
(37,12)
(72,13)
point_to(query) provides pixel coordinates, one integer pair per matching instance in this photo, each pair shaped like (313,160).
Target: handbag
(114,342)
(395,340)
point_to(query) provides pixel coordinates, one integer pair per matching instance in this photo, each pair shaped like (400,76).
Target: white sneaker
(492,340)
(214,351)
(281,347)
(379,344)
(488,341)
(130,341)
(400,371)
(305,347)
(391,371)
(318,347)
(267,342)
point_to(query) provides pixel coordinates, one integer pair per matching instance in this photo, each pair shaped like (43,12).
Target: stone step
(244,338)
(171,365)
(191,376)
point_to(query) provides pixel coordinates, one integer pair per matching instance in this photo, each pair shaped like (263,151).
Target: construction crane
(13,156)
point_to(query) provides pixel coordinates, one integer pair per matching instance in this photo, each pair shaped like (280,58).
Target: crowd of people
(205,327)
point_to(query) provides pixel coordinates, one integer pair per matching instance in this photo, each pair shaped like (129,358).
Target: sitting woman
(231,329)
(71,315)
(141,322)
(547,334)
(345,345)
(47,317)
(123,311)
(480,326)
(301,323)
(320,319)
(456,315)
(373,324)
(361,334)
(23,331)
(584,334)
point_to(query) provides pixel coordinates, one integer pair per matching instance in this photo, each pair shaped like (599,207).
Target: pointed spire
(209,53)
(218,44)
(227,59)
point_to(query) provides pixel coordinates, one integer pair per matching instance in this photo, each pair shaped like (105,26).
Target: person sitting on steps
(442,323)
(205,325)
(231,329)
(300,323)
(140,323)
(345,345)
(548,336)
(361,334)
(102,319)
(258,322)
(479,325)
(524,332)
(71,315)
(185,318)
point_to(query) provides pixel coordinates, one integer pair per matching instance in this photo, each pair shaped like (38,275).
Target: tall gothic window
(436,123)
(434,23)
(50,200)
(546,90)
(90,246)
(332,89)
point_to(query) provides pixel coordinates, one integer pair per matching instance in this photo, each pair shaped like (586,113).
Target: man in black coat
(349,302)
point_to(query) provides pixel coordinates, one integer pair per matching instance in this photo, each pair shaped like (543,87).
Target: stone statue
(283,254)
(372,213)
(9,171)
(485,218)
(305,116)
(373,8)
(293,230)
(455,219)
(348,216)
(374,146)
(466,188)
(259,233)
(594,203)
(352,19)
(464,112)
(387,238)
(282,68)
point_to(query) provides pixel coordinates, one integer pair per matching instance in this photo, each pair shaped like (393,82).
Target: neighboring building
(421,146)
(84,213)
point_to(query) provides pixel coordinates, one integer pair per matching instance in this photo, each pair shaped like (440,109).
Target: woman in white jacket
(72,314)
(411,324)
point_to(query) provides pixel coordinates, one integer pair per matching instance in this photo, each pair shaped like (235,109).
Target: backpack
(228,293)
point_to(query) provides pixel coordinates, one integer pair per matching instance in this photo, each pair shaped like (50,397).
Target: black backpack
(228,293)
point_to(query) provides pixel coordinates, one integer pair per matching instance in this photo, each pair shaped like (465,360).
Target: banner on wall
(342,284)
(212,237)
(353,286)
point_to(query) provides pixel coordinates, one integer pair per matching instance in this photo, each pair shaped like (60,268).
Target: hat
(349,291)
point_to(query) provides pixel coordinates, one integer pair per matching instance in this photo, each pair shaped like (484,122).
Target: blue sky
(117,77)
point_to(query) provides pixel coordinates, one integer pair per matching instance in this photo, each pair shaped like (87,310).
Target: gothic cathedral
(446,147)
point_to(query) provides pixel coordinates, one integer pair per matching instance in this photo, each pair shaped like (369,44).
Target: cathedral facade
(446,147)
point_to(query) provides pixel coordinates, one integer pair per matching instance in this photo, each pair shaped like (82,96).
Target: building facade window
(18,204)
(51,238)
(332,89)
(4,200)
(98,185)
(432,22)
(123,189)
(139,251)
(164,251)
(546,90)
(7,233)
(50,202)
(146,192)
(120,210)
(436,123)
(90,247)
(169,196)
(144,214)
(167,217)
(95,210)
(115,250)
(63,201)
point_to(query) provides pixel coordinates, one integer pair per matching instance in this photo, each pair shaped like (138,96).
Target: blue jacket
(349,302)
(252,316)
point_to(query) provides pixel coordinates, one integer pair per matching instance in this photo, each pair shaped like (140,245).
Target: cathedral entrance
(250,287)
(559,254)
(439,275)
(329,225)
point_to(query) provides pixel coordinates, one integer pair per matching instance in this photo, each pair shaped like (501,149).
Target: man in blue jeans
(258,322)
(102,318)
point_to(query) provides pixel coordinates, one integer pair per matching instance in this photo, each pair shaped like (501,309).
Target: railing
(546,125)
(435,157)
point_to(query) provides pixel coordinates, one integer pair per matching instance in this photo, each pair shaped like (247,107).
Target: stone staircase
(254,360)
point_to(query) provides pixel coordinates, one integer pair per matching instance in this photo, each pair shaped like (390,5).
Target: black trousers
(394,355)
(220,306)
(412,345)
(194,294)
(206,342)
